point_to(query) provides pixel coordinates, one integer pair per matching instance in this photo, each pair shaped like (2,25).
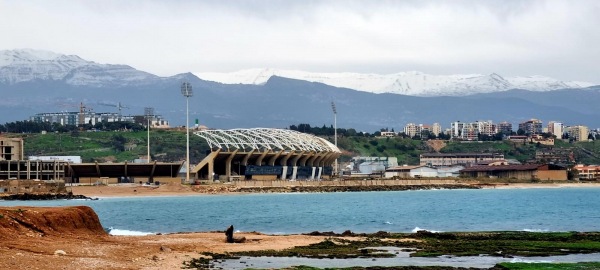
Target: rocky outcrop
(75,221)
(43,197)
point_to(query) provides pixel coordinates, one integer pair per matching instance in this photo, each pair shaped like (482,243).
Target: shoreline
(73,238)
(169,190)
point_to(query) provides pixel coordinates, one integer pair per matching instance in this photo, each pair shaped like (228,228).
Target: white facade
(70,159)
(556,128)
(423,172)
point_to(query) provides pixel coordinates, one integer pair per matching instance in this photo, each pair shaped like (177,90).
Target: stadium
(265,154)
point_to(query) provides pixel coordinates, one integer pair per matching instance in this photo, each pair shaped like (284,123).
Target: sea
(529,209)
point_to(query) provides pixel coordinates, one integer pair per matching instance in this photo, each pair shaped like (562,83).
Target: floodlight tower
(186,91)
(335,165)
(149,112)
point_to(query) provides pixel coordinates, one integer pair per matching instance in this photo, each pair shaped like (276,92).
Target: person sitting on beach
(231,239)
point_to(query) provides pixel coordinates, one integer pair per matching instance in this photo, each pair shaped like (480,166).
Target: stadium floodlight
(335,165)
(186,91)
(149,112)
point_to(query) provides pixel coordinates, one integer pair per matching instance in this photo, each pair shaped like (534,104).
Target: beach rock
(44,197)
(60,252)
(165,249)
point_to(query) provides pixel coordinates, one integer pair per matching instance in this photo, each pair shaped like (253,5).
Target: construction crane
(119,106)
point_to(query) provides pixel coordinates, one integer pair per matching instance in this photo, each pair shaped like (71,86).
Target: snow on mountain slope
(27,65)
(407,83)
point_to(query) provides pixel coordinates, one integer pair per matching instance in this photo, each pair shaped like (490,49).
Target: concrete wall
(31,186)
(280,183)
(552,175)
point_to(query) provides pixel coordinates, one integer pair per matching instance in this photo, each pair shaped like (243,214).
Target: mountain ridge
(413,83)
(278,102)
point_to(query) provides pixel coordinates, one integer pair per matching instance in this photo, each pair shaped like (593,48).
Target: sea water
(543,209)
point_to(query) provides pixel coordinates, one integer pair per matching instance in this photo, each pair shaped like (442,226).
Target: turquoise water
(558,209)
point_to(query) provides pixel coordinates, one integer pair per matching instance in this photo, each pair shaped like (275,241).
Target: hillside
(170,146)
(115,146)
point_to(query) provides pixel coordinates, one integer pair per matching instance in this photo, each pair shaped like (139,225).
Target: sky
(559,39)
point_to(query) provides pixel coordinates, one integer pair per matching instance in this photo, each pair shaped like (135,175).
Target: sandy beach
(171,189)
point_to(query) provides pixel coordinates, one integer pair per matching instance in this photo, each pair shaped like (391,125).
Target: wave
(113,231)
(523,260)
(536,230)
(416,229)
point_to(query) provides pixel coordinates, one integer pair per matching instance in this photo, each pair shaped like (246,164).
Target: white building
(556,128)
(69,159)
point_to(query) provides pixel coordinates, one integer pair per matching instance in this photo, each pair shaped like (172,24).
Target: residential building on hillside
(578,133)
(411,130)
(388,134)
(471,131)
(532,126)
(556,129)
(92,118)
(555,155)
(450,159)
(436,129)
(587,172)
(456,129)
(505,128)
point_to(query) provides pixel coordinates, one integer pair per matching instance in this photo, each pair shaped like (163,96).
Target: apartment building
(578,133)
(504,128)
(531,127)
(556,128)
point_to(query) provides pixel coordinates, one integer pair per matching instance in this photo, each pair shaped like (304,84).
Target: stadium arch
(265,154)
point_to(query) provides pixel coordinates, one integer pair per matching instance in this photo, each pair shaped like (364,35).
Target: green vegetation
(423,243)
(169,145)
(116,146)
(505,243)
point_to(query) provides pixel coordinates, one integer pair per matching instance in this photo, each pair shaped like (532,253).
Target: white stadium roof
(266,138)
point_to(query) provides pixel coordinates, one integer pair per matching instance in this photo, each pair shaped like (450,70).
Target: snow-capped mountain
(28,65)
(412,83)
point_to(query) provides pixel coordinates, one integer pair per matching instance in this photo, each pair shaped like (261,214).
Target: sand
(132,252)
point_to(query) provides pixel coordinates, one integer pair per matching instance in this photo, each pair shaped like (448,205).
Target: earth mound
(20,221)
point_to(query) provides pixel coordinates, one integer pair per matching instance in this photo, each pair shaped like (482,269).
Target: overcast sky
(560,39)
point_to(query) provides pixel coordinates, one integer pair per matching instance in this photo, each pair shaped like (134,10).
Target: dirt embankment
(17,222)
(73,238)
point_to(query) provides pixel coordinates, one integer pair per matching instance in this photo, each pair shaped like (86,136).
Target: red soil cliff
(20,221)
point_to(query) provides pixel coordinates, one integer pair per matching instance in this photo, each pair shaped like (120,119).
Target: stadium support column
(294,172)
(312,175)
(284,172)
(319,173)
(228,164)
